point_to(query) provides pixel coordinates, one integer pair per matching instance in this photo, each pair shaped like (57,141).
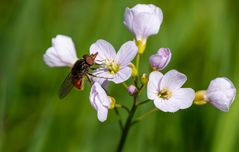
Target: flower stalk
(127,125)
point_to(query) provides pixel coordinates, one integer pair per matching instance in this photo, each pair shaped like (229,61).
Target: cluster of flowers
(165,90)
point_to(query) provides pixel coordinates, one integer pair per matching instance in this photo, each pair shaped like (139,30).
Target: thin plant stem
(144,115)
(119,118)
(142,102)
(127,125)
(141,89)
(122,106)
(137,62)
(125,85)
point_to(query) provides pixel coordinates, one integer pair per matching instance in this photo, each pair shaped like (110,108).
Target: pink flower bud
(221,93)
(161,59)
(132,89)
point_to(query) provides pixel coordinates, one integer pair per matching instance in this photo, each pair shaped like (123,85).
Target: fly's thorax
(80,68)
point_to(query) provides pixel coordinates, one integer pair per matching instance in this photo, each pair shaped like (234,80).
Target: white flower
(113,66)
(143,20)
(62,52)
(221,93)
(167,93)
(100,101)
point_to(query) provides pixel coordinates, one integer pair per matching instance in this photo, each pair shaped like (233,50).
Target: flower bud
(161,59)
(221,93)
(200,97)
(113,102)
(143,20)
(134,70)
(132,89)
(144,79)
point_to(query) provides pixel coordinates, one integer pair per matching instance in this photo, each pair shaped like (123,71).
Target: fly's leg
(93,68)
(98,76)
(87,76)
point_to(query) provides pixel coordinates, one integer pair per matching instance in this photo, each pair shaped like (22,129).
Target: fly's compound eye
(89,60)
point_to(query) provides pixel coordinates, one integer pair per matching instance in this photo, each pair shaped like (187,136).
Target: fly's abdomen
(78,84)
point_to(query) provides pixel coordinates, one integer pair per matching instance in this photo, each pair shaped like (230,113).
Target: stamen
(112,67)
(165,94)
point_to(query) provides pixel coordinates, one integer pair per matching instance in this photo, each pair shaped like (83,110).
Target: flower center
(165,94)
(112,67)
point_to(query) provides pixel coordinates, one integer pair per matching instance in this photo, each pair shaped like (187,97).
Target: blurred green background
(202,35)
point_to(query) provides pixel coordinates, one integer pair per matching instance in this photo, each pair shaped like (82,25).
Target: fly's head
(90,59)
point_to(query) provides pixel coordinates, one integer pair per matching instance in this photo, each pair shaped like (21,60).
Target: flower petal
(165,105)
(65,49)
(102,114)
(183,98)
(105,51)
(221,93)
(153,84)
(122,75)
(143,20)
(172,80)
(101,75)
(52,60)
(100,101)
(103,98)
(126,53)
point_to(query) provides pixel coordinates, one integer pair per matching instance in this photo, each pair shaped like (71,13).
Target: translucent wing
(66,86)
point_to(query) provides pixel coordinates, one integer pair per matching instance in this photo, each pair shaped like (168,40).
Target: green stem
(119,118)
(125,85)
(142,102)
(137,62)
(144,115)
(122,106)
(127,126)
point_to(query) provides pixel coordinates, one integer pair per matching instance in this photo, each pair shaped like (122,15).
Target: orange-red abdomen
(78,84)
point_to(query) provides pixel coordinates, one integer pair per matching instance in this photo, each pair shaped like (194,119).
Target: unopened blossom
(132,89)
(166,92)
(161,59)
(221,93)
(100,101)
(143,20)
(62,53)
(144,79)
(113,66)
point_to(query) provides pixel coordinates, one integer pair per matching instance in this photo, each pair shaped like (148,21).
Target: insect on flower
(76,76)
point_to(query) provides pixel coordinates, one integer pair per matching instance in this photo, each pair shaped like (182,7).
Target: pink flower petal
(153,84)
(173,80)
(52,60)
(126,53)
(165,105)
(122,75)
(101,75)
(102,114)
(183,98)
(103,98)
(105,51)
(99,101)
(143,20)
(65,49)
(221,93)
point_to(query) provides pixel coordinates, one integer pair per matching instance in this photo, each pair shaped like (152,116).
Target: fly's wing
(66,86)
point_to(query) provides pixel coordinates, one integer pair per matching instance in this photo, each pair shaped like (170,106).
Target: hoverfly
(76,76)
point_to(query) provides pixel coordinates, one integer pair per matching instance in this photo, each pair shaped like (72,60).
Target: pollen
(112,67)
(165,94)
